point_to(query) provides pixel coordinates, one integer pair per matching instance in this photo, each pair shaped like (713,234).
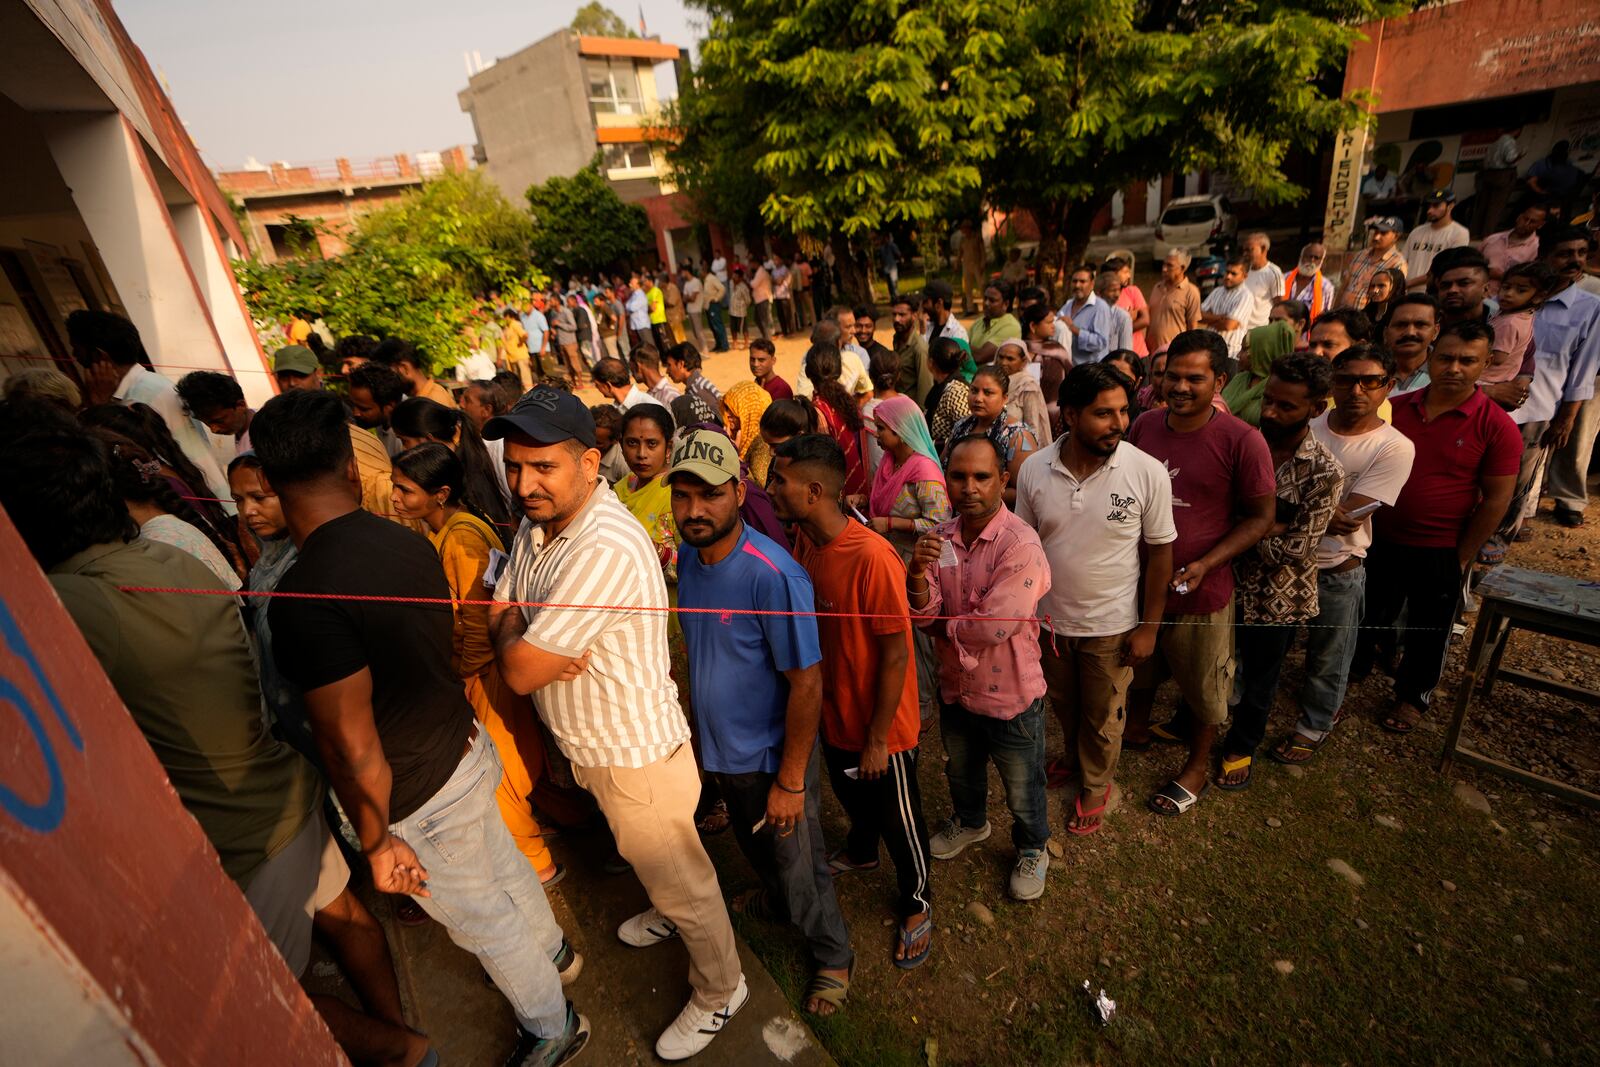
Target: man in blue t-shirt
(758,679)
(538,327)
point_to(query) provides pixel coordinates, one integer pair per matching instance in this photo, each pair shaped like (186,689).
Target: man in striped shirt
(599,676)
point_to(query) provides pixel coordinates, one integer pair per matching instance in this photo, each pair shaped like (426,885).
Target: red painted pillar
(130,941)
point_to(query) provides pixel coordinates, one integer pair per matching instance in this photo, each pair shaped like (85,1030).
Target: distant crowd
(467,612)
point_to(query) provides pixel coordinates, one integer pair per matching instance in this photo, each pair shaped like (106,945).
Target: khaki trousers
(1088,689)
(651,813)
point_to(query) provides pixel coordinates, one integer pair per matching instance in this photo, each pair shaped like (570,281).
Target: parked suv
(1191,223)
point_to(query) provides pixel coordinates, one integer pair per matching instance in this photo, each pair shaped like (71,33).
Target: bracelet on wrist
(786,789)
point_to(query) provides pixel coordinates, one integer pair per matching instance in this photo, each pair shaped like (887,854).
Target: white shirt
(852,372)
(637,396)
(719,267)
(1427,241)
(477,367)
(1266,285)
(1091,532)
(1377,188)
(1376,464)
(623,711)
(1235,304)
(1503,154)
(140,386)
(692,291)
(952,328)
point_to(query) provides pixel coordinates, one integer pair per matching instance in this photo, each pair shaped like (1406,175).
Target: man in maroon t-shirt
(1223,488)
(1468,452)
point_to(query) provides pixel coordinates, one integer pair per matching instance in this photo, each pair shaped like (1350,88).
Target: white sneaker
(647,928)
(953,837)
(1027,877)
(694,1027)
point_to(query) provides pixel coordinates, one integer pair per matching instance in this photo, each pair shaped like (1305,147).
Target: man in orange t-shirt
(870,722)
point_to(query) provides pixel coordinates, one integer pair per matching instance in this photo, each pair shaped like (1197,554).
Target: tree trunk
(1080,216)
(854,284)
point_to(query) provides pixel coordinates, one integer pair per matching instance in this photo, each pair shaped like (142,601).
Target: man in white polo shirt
(1094,499)
(600,679)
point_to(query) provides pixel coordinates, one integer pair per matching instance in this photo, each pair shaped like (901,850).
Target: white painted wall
(102,162)
(217,288)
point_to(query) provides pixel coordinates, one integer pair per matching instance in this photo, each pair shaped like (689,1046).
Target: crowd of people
(562,330)
(470,617)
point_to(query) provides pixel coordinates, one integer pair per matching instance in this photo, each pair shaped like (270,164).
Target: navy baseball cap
(1440,196)
(1386,222)
(547,415)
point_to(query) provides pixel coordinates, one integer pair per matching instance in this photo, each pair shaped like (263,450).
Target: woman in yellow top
(742,408)
(646,445)
(431,485)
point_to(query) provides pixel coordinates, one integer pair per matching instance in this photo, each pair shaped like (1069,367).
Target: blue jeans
(719,331)
(1331,646)
(1017,748)
(484,892)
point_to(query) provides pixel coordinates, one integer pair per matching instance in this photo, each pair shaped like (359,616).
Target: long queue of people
(460,614)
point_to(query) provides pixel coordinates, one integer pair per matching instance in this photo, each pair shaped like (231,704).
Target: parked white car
(1190,223)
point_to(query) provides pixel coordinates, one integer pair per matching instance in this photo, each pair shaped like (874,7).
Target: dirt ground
(1361,909)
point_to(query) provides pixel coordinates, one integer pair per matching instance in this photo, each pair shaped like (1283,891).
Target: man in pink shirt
(976,581)
(1520,244)
(1131,299)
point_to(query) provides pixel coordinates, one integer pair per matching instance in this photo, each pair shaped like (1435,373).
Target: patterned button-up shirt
(1360,272)
(1276,581)
(988,659)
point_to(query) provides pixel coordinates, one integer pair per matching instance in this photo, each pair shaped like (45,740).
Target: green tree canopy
(597,20)
(838,116)
(581,225)
(411,269)
(1126,91)
(853,113)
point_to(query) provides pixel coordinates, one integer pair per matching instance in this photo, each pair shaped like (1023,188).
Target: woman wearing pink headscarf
(907,496)
(907,499)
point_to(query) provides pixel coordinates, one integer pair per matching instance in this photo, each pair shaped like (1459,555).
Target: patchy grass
(1183,920)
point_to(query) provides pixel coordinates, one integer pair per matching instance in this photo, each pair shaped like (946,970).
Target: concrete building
(280,200)
(545,111)
(1448,80)
(104,203)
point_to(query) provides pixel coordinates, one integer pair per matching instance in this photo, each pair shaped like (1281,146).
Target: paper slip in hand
(947,555)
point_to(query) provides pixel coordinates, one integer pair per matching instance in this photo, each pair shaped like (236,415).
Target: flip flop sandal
(1181,799)
(1098,814)
(1283,752)
(826,987)
(714,821)
(755,904)
(1229,766)
(557,874)
(911,937)
(1493,552)
(1395,725)
(839,863)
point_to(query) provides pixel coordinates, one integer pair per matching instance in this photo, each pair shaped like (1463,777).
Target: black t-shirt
(418,704)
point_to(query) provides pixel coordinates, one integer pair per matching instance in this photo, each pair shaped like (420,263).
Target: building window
(634,156)
(613,86)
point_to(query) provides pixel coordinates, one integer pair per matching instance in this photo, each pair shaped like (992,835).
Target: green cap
(296,359)
(706,454)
